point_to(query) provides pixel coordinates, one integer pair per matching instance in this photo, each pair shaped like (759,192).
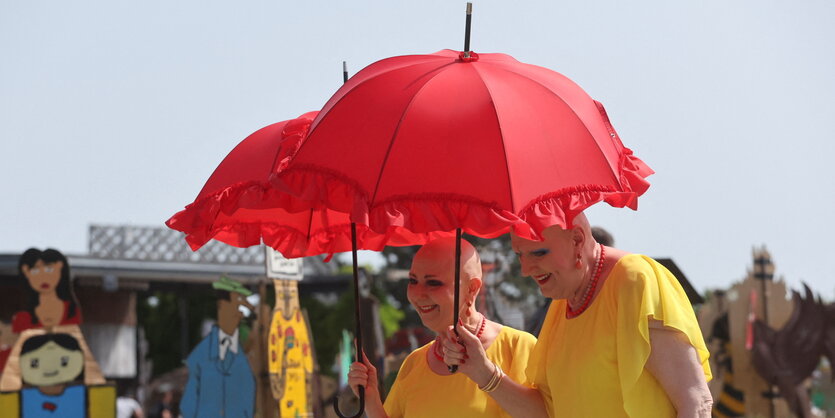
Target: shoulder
(515,338)
(200,352)
(21,321)
(414,361)
(634,272)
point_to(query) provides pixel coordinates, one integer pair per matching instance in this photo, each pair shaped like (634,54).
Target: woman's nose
(525,266)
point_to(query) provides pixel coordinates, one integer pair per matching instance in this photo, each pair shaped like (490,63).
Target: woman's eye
(65,361)
(412,281)
(435,283)
(48,269)
(540,252)
(34,271)
(34,363)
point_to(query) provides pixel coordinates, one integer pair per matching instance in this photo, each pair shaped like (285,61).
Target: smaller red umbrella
(239,206)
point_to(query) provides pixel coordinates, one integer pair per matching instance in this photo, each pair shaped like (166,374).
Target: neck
(50,295)
(588,272)
(228,328)
(53,390)
(472,321)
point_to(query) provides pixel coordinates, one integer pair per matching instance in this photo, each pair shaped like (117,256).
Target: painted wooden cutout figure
(290,353)
(52,366)
(49,292)
(220,380)
(51,307)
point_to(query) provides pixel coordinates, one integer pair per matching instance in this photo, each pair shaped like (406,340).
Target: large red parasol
(444,141)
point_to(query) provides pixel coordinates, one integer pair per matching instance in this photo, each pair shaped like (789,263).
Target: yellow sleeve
(521,346)
(395,403)
(650,290)
(537,361)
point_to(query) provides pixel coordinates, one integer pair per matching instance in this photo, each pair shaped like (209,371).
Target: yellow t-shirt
(593,365)
(419,392)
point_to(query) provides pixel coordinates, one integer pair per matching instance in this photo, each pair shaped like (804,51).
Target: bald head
(441,252)
(579,233)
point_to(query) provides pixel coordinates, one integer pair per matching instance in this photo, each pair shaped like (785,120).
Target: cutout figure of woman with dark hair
(50,299)
(52,362)
(51,308)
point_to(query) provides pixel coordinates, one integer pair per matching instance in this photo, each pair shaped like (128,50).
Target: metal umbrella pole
(358,356)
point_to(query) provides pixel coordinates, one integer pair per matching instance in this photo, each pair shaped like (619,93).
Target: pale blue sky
(116,112)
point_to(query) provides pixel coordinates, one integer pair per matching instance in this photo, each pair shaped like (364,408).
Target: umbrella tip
(469,8)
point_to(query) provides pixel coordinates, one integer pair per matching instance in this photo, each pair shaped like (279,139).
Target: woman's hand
(466,352)
(364,374)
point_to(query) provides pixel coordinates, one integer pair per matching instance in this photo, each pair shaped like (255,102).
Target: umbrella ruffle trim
(199,221)
(562,206)
(425,213)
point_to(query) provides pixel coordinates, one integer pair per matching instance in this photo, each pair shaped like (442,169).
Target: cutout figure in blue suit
(220,380)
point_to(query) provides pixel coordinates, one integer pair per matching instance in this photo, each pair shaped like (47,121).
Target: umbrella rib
(551,92)
(324,114)
(504,149)
(438,71)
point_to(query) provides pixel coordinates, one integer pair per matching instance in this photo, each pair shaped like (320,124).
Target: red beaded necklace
(573,313)
(436,348)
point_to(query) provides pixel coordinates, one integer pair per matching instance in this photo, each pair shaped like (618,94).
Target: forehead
(431,264)
(552,237)
(50,349)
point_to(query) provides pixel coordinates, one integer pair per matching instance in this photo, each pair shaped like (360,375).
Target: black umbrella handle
(359,413)
(457,302)
(358,339)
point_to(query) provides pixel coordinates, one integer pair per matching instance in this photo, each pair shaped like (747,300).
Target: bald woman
(619,340)
(424,386)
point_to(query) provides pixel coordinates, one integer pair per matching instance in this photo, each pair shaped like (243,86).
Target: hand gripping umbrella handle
(359,328)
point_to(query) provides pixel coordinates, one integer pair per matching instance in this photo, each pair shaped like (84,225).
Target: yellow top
(419,392)
(593,365)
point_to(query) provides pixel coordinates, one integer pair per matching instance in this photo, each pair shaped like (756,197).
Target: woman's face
(550,262)
(43,277)
(51,364)
(431,290)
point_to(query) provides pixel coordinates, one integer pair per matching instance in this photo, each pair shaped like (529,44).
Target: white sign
(279,267)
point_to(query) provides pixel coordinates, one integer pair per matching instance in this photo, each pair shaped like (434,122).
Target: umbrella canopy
(239,206)
(444,141)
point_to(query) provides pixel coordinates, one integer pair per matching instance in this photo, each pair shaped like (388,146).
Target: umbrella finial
(344,72)
(467,30)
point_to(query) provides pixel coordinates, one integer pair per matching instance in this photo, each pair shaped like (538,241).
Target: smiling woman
(620,338)
(424,384)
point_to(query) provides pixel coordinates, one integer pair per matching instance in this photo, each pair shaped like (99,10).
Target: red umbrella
(239,206)
(457,141)
(444,141)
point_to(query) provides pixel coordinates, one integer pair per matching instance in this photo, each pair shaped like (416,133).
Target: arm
(674,362)
(188,404)
(365,374)
(518,400)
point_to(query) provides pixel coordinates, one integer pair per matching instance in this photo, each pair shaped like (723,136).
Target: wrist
(481,376)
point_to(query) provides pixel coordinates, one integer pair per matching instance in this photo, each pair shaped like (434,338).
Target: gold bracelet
(499,377)
(492,378)
(495,379)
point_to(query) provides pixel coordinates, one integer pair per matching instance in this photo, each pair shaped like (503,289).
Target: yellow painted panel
(102,401)
(10,405)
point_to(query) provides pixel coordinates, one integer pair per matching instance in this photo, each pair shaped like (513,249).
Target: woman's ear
(474,287)
(578,236)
